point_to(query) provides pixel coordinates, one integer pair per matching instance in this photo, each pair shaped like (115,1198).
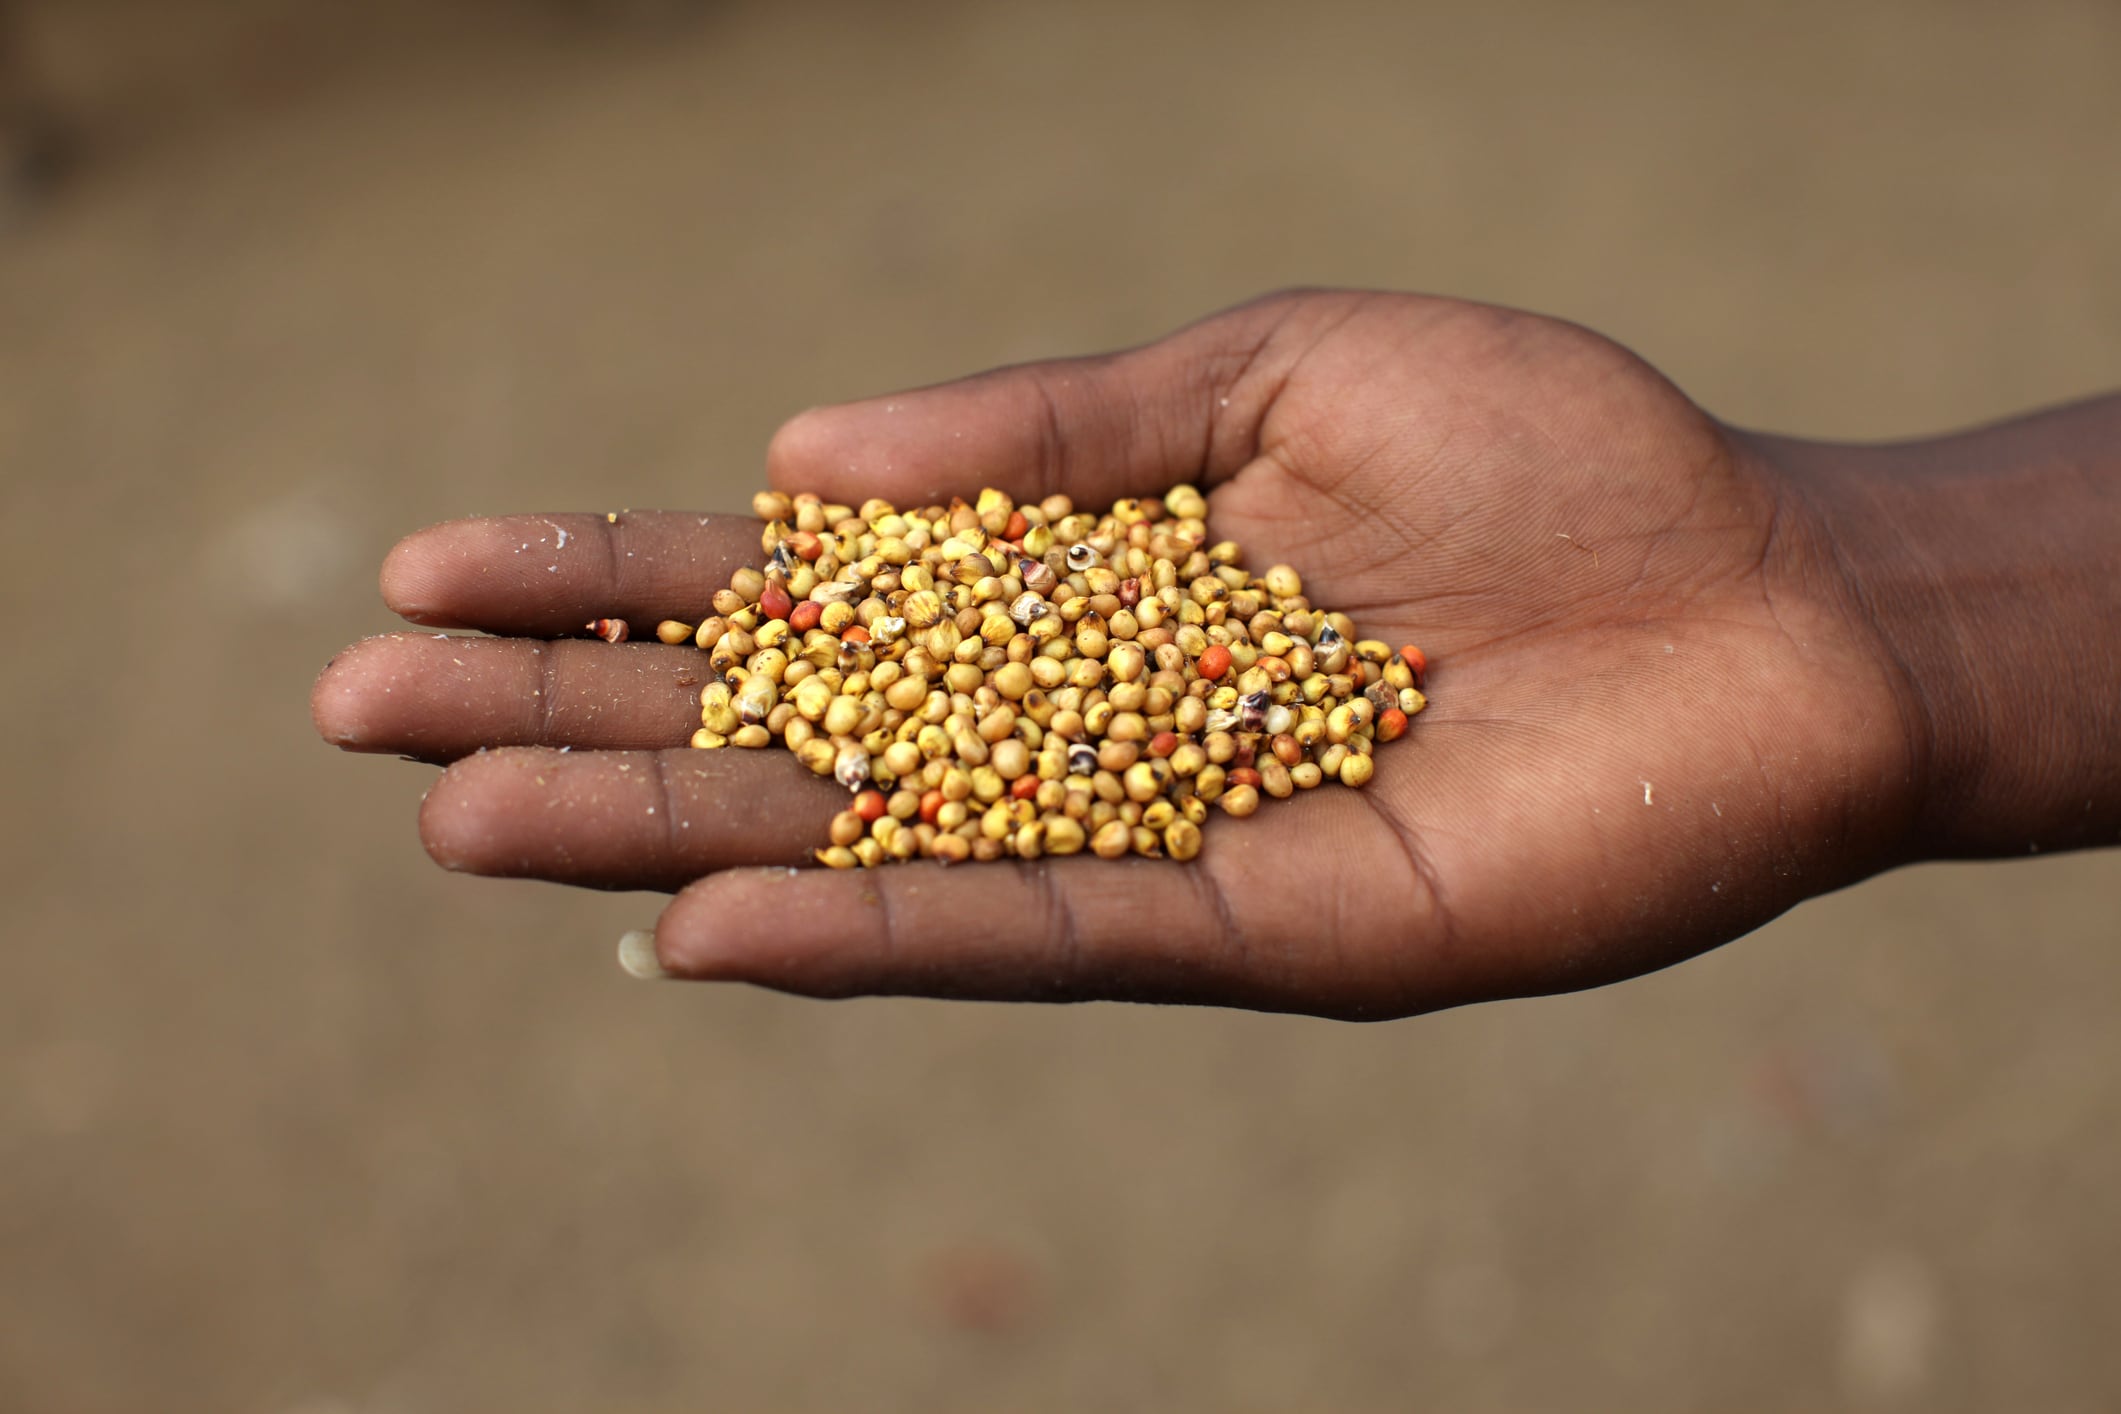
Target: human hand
(1658,717)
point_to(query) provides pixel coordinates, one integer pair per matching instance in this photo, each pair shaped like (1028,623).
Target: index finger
(1096,429)
(547,576)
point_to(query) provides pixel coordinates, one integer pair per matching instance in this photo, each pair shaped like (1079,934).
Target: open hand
(1656,718)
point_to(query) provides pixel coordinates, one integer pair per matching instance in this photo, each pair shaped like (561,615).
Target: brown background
(290,1121)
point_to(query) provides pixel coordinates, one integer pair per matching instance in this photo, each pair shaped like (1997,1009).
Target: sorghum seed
(1011,759)
(1064,835)
(1112,841)
(1240,800)
(1182,840)
(846,828)
(851,767)
(1356,770)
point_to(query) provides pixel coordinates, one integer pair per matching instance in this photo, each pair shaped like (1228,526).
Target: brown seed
(847,827)
(774,600)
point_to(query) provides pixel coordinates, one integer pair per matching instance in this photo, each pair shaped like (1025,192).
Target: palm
(1639,698)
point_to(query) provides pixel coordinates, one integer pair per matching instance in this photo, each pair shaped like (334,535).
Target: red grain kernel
(804,616)
(931,805)
(1417,660)
(1163,743)
(1287,749)
(1358,673)
(1246,753)
(806,545)
(1391,724)
(1023,788)
(1243,776)
(1016,527)
(870,805)
(855,634)
(774,602)
(1130,593)
(1214,662)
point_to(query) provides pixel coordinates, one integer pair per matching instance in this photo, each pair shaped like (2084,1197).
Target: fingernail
(637,956)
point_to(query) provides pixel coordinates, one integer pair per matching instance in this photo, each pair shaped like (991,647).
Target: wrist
(1984,565)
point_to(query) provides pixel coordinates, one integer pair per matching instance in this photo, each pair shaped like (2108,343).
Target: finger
(439,697)
(1185,407)
(1250,923)
(624,819)
(549,575)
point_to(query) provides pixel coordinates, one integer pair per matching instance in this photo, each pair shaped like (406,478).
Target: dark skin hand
(1671,695)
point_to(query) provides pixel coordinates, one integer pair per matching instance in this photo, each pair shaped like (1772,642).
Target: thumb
(1186,407)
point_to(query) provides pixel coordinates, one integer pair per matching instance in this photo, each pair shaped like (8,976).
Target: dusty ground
(292,1122)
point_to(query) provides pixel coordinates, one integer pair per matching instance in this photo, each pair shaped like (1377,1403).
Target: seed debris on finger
(993,680)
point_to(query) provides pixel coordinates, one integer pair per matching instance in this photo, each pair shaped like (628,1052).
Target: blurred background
(290,1122)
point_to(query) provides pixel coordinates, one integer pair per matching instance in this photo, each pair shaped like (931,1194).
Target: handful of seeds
(1001,681)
